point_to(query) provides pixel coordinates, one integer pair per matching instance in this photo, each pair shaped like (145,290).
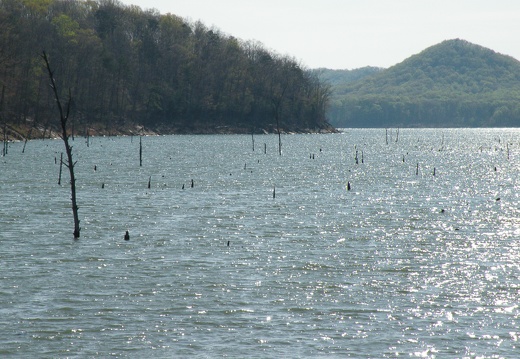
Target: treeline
(377,111)
(125,65)
(452,84)
(339,79)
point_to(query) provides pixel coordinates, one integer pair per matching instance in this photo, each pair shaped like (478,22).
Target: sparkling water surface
(266,256)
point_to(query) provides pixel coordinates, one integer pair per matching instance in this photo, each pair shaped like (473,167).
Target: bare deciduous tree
(64,116)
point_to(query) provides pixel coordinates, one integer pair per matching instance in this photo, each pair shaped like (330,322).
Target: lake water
(421,258)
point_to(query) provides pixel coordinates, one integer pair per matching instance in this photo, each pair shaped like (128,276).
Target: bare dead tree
(277,105)
(61,167)
(27,138)
(64,116)
(4,144)
(140,152)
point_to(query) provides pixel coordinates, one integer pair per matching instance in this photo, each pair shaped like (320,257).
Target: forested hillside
(128,66)
(453,84)
(339,79)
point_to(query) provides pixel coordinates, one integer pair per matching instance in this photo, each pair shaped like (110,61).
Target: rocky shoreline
(28,131)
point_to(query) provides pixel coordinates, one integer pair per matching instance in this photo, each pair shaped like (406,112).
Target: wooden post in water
(5,144)
(61,165)
(277,105)
(26,139)
(149,182)
(140,152)
(279,142)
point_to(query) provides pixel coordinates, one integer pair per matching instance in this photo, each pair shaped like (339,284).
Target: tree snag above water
(64,116)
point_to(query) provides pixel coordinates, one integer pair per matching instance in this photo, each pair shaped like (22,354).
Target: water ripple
(406,263)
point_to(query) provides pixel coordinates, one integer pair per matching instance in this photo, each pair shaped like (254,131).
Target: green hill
(454,84)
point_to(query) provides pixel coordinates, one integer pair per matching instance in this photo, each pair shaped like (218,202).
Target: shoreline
(27,131)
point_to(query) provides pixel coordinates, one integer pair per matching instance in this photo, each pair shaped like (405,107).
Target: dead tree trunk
(277,105)
(5,143)
(140,152)
(279,134)
(5,146)
(26,139)
(61,167)
(64,116)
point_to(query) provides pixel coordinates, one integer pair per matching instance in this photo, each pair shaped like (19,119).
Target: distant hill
(455,84)
(340,78)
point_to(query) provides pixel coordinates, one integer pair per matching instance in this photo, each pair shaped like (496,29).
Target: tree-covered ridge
(454,83)
(127,66)
(338,79)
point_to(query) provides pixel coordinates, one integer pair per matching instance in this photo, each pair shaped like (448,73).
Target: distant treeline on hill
(452,84)
(125,66)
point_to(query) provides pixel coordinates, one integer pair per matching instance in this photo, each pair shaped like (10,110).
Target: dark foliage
(128,66)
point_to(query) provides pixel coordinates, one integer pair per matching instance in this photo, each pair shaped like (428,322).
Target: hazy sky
(347,34)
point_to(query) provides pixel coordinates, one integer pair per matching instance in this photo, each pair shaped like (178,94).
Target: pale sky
(348,34)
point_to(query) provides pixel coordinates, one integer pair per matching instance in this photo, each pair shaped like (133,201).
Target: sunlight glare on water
(419,259)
